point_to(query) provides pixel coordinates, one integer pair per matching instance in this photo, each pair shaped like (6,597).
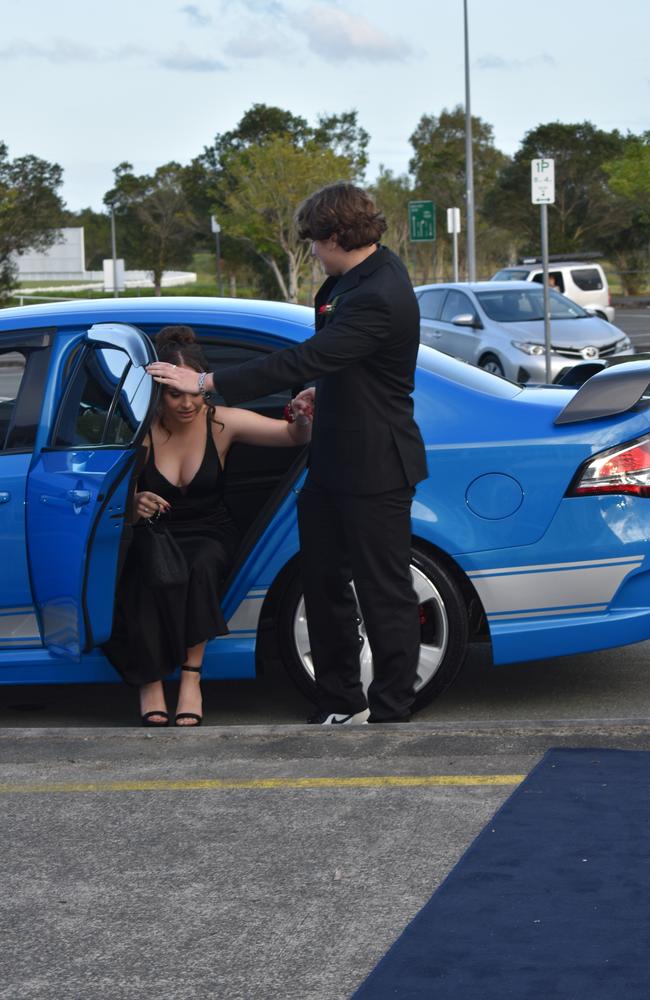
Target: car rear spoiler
(614,389)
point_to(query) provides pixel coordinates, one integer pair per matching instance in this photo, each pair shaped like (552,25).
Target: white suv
(585,284)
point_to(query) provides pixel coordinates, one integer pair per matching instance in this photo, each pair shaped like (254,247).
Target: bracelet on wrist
(202,389)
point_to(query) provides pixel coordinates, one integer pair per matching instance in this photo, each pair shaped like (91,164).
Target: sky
(90,84)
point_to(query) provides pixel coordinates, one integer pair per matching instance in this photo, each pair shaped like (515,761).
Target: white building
(64,261)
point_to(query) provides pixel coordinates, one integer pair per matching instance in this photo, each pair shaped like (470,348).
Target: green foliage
(628,245)
(31,209)
(584,212)
(438,162)
(629,175)
(392,195)
(438,166)
(156,224)
(268,182)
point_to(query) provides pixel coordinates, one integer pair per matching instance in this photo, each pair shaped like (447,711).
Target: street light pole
(469,167)
(216,229)
(114,251)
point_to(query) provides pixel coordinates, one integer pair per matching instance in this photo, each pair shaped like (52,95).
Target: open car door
(80,486)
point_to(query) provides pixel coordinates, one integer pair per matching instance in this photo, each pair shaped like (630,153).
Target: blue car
(532,531)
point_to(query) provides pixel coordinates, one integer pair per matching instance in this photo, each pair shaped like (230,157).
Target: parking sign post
(453,227)
(542,183)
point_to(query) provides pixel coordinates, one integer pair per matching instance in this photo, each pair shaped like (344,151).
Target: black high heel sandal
(148,721)
(198,719)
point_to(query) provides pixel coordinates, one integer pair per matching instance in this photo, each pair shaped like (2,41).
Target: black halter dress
(153,628)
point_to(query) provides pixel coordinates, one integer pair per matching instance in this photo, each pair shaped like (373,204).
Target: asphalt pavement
(635,321)
(241,863)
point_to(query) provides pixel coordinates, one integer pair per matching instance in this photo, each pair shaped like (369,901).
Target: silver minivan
(584,283)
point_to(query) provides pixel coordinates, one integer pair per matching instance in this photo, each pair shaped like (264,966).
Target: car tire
(444,631)
(490,363)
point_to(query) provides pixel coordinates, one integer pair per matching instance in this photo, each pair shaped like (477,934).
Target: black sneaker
(338,719)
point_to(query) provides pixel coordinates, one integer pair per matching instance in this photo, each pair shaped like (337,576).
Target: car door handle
(5,497)
(78,497)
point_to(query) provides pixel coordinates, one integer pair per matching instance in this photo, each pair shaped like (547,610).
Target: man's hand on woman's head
(175,377)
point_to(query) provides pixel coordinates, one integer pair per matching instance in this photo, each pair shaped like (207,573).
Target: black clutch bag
(162,564)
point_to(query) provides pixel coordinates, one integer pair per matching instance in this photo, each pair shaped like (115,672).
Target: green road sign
(422,221)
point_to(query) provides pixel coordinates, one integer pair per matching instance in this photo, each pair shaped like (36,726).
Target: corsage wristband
(288,414)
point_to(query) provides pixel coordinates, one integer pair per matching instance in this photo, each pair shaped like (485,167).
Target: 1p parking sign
(542,181)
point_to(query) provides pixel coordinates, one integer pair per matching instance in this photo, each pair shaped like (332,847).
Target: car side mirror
(467,319)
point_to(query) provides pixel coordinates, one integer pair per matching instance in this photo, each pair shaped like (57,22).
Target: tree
(268,182)
(392,195)
(628,247)
(156,224)
(629,175)
(31,210)
(438,167)
(584,212)
(438,161)
(211,180)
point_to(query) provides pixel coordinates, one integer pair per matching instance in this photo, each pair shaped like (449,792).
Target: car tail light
(624,469)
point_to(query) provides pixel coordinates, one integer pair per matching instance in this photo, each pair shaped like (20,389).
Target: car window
(524,305)
(457,303)
(588,279)
(224,353)
(105,403)
(23,365)
(12,369)
(430,303)
(555,280)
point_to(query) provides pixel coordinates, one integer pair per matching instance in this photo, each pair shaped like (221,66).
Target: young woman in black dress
(157,630)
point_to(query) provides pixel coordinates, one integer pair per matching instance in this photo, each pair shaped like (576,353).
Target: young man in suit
(366,456)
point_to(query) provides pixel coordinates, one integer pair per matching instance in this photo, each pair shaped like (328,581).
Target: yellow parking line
(216,784)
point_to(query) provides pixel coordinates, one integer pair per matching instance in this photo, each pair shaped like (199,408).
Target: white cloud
(252,44)
(338,36)
(498,62)
(272,7)
(61,51)
(185,61)
(196,16)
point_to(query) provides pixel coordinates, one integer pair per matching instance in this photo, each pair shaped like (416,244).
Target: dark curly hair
(342,210)
(177,345)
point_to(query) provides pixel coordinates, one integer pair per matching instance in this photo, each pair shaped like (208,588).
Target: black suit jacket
(362,360)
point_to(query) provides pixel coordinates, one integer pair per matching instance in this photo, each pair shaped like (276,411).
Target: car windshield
(523,305)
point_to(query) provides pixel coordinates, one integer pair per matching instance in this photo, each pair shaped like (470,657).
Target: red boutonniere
(328,308)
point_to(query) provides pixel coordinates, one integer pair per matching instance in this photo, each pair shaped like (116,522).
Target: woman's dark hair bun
(180,335)
(178,346)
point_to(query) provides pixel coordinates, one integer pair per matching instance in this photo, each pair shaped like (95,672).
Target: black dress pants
(366,539)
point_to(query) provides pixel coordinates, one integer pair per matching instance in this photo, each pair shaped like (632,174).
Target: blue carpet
(550,902)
